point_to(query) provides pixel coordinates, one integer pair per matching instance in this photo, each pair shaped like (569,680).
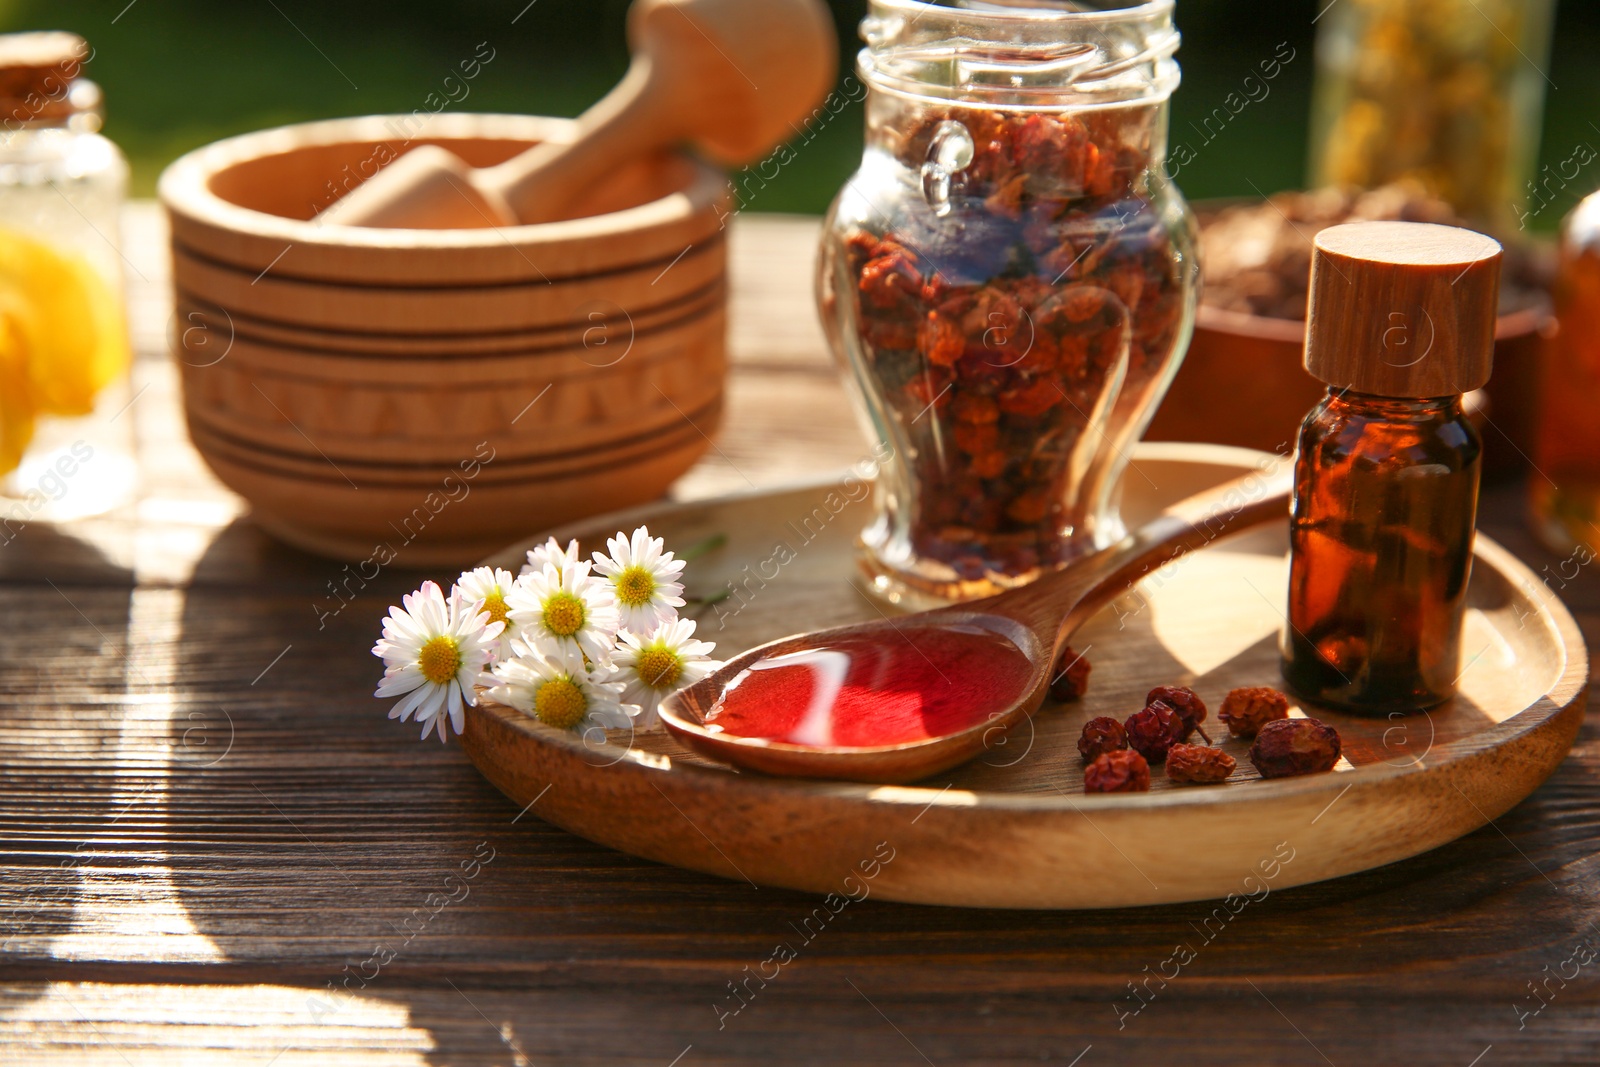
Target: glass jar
(1448,94)
(1009,280)
(1564,487)
(64,351)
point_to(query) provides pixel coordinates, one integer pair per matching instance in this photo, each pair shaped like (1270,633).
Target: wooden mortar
(428,395)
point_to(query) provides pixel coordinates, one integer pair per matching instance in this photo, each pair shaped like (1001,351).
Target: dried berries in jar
(1289,747)
(1199,763)
(1011,334)
(1101,734)
(1071,679)
(1245,711)
(1124,771)
(1186,702)
(1153,730)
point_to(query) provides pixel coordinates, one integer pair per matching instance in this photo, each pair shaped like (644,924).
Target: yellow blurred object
(62,338)
(1447,93)
(16,395)
(70,321)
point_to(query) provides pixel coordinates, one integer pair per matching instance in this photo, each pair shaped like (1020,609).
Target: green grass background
(180,73)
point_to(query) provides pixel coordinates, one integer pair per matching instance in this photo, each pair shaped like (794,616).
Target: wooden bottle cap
(36,73)
(1403,309)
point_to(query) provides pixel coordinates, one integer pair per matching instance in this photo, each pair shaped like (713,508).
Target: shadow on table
(63,682)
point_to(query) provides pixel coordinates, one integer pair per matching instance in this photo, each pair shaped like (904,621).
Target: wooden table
(218,850)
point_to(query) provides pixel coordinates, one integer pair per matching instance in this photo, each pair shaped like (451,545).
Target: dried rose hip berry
(891,281)
(1198,763)
(1186,702)
(929,392)
(1071,679)
(970,407)
(1153,730)
(1289,747)
(1029,507)
(975,438)
(1080,303)
(940,340)
(989,464)
(1031,400)
(1124,771)
(1101,734)
(1245,711)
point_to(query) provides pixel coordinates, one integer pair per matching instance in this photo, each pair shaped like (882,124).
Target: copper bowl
(1242,383)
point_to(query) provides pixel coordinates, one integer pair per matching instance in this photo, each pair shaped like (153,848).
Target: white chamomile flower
(436,651)
(557,688)
(644,580)
(552,554)
(571,609)
(666,661)
(491,586)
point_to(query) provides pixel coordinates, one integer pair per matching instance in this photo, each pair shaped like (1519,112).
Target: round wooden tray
(1013,828)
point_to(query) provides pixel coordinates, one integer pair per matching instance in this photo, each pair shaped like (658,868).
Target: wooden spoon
(1038,618)
(735,77)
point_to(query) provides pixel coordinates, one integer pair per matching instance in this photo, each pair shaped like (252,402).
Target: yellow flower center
(440,659)
(563,614)
(659,667)
(495,605)
(635,586)
(560,703)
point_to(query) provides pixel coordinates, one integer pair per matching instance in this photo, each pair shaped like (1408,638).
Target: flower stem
(706,601)
(700,548)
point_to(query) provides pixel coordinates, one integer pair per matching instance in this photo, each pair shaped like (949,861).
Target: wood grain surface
(207,821)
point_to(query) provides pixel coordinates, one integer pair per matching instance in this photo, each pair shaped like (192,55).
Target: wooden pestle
(733,77)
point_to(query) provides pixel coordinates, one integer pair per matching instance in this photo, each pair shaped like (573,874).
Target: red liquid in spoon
(929,682)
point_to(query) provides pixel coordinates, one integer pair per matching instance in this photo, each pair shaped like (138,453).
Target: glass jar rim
(1025,54)
(1037,11)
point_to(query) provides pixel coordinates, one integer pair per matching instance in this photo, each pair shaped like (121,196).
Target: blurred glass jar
(64,349)
(1564,487)
(1009,280)
(1446,93)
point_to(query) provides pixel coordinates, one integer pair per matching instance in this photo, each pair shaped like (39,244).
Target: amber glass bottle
(1386,472)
